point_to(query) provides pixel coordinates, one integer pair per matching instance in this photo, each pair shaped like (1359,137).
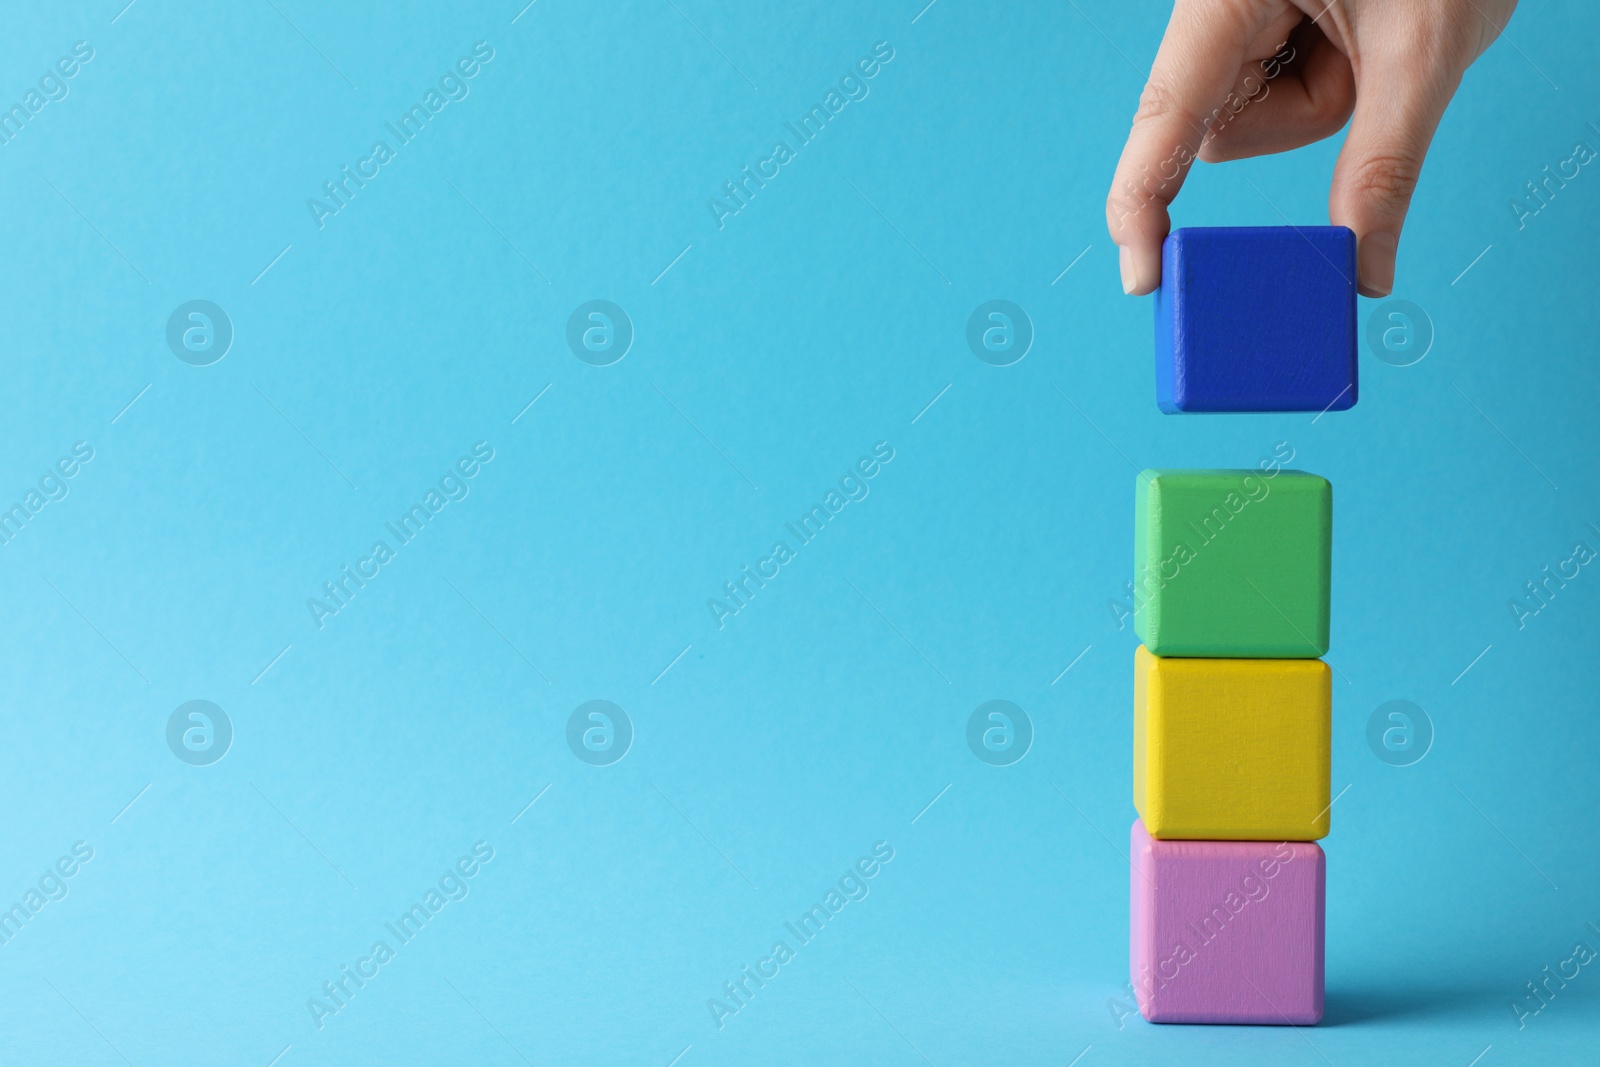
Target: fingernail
(1130,276)
(1375,263)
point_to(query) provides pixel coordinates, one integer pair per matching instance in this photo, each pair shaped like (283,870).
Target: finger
(1304,103)
(1398,106)
(1195,67)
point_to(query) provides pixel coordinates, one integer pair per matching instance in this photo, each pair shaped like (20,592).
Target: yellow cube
(1232,749)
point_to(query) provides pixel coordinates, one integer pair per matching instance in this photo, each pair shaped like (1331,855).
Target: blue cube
(1257,318)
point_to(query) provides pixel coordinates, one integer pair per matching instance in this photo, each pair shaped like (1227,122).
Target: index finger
(1195,69)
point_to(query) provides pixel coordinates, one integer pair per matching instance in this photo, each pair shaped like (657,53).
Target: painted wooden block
(1227,931)
(1232,562)
(1257,319)
(1231,749)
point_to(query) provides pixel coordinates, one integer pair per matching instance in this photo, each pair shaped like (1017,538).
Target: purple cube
(1227,931)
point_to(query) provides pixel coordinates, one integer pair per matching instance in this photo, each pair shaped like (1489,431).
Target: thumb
(1398,107)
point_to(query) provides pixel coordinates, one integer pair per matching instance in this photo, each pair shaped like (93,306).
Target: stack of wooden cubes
(1232,703)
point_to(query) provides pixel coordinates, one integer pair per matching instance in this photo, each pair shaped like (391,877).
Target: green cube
(1232,563)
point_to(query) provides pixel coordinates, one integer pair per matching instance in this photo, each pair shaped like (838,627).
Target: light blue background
(826,715)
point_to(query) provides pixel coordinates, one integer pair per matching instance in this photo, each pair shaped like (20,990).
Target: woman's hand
(1238,78)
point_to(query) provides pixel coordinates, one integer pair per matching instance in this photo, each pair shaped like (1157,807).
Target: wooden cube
(1232,562)
(1227,931)
(1257,319)
(1232,749)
